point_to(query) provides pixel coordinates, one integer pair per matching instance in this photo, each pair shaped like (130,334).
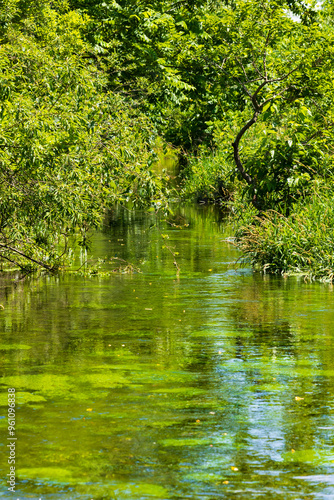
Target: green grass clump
(302,243)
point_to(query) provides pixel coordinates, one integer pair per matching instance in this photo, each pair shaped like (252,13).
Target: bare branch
(15,250)
(235,145)
(260,87)
(242,67)
(272,98)
(274,80)
(256,68)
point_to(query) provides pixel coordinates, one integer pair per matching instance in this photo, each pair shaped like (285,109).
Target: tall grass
(302,243)
(207,177)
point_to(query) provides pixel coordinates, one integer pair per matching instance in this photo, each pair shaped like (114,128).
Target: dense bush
(207,177)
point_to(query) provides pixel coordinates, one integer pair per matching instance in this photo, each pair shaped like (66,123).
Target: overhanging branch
(25,256)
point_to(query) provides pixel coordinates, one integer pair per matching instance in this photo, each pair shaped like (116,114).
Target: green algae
(7,347)
(118,402)
(46,474)
(27,397)
(48,385)
(187,391)
(117,490)
(110,380)
(207,441)
(312,456)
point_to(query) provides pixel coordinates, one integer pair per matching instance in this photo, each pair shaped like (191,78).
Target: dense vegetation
(69,146)
(243,90)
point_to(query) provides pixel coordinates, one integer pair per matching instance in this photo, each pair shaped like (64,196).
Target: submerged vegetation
(92,91)
(118,381)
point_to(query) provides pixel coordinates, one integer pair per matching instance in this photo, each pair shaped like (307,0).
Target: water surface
(211,385)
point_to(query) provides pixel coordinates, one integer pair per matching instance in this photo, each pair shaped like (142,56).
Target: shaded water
(217,384)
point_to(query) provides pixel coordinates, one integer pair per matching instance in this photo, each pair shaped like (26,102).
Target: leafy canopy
(68,147)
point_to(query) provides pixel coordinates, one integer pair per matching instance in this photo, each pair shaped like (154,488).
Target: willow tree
(68,147)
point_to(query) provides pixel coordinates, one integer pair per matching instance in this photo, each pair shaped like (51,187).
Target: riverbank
(300,243)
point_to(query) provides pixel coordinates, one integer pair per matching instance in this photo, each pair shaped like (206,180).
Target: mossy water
(217,383)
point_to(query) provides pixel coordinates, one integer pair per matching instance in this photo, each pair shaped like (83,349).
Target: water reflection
(216,384)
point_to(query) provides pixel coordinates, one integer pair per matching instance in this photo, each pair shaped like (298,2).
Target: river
(216,383)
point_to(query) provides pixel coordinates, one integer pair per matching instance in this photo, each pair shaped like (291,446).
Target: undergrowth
(208,178)
(302,243)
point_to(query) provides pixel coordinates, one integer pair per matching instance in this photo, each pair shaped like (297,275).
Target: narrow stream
(217,384)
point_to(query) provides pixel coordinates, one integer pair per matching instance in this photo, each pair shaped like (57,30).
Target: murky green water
(217,384)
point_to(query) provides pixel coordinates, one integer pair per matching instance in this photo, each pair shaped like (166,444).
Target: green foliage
(301,243)
(68,148)
(154,53)
(207,177)
(283,71)
(195,67)
(86,86)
